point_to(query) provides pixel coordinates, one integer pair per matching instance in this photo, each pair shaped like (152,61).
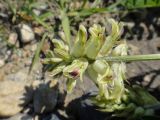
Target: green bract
(73,62)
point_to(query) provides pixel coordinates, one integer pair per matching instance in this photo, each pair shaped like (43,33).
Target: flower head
(81,58)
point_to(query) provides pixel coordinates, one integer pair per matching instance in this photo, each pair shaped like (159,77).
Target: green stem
(129,58)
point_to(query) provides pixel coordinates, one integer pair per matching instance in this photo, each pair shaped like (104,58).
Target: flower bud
(76,69)
(79,45)
(112,38)
(92,73)
(97,31)
(62,53)
(120,50)
(71,83)
(95,42)
(49,54)
(100,66)
(51,60)
(59,44)
(118,87)
(58,69)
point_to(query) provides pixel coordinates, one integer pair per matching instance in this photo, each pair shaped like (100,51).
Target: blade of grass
(37,53)
(84,3)
(155,106)
(96,3)
(151,117)
(114,5)
(66,27)
(62,3)
(12,7)
(86,12)
(35,4)
(132,4)
(131,58)
(37,19)
(46,15)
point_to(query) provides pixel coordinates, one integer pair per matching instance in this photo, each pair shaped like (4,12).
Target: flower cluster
(82,57)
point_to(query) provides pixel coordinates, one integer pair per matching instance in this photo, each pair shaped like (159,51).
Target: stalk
(129,58)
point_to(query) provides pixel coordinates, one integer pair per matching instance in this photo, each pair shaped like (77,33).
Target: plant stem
(130,58)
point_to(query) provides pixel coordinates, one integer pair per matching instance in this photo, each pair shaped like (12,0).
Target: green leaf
(36,56)
(131,4)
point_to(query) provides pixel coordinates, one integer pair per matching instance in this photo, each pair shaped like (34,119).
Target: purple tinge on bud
(74,73)
(76,69)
